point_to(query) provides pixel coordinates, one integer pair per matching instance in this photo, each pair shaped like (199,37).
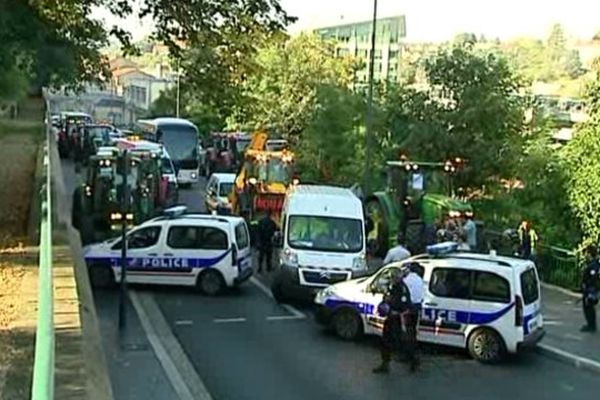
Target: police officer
(589,286)
(401,304)
(266,231)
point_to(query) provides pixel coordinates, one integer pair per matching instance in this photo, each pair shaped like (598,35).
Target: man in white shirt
(397,253)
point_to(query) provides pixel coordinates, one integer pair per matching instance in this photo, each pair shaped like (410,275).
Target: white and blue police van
(322,240)
(488,304)
(206,251)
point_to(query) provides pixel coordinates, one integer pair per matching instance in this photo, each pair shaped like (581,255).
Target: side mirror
(278,239)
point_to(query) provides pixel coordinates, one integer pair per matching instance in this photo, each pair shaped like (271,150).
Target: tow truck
(417,194)
(262,181)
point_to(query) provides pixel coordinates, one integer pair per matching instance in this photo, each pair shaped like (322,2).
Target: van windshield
(325,233)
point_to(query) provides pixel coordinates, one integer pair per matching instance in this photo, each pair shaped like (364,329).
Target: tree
(471,109)
(282,94)
(465,38)
(331,150)
(583,167)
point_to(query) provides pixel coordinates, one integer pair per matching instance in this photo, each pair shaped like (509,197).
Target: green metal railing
(555,265)
(42,387)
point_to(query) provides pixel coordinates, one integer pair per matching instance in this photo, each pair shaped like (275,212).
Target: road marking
(228,320)
(577,361)
(184,322)
(178,368)
(574,337)
(552,323)
(298,314)
(283,318)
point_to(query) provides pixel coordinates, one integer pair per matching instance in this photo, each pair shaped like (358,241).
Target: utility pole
(124,212)
(178,90)
(369,133)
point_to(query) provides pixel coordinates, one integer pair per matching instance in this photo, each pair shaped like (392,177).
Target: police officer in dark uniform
(589,286)
(266,231)
(400,327)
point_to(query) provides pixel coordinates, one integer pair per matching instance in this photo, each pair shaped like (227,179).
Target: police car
(206,251)
(488,304)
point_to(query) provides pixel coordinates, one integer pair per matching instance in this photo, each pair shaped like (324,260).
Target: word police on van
(485,303)
(201,250)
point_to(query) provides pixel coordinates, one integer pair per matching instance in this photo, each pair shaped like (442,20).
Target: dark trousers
(589,311)
(395,338)
(265,253)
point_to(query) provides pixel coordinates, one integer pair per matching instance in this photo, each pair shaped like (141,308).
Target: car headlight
(289,258)
(359,263)
(194,175)
(324,294)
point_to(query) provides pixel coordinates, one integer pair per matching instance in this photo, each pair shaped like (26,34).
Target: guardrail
(42,387)
(555,265)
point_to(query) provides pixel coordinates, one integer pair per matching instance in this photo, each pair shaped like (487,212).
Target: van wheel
(210,282)
(347,324)
(486,346)
(101,276)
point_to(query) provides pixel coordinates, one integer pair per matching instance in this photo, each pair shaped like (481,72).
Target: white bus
(180,138)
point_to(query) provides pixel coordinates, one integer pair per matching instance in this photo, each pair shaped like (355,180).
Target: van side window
(490,287)
(198,238)
(241,236)
(451,282)
(140,239)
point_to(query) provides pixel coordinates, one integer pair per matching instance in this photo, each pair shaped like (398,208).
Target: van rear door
(531,300)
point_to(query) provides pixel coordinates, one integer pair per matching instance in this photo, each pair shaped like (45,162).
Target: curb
(561,290)
(566,357)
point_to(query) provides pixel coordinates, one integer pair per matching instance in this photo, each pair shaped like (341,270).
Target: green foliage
(331,148)
(583,168)
(470,110)
(283,91)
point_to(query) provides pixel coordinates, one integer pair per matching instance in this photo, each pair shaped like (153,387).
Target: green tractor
(96,208)
(417,195)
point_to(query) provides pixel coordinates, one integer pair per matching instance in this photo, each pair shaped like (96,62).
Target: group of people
(401,306)
(461,230)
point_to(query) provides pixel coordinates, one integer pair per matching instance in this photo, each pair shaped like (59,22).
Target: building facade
(355,40)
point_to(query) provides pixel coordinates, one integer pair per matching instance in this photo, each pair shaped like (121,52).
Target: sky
(437,20)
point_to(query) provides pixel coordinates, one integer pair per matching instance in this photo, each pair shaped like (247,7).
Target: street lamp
(178,91)
(369,133)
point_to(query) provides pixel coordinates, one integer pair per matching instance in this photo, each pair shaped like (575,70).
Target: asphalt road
(245,346)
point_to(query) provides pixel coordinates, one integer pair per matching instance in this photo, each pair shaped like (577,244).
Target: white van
(487,304)
(218,188)
(322,240)
(206,251)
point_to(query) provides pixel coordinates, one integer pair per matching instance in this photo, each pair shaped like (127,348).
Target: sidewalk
(563,316)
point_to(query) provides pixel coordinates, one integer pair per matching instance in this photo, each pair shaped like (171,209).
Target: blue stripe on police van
(163,264)
(462,317)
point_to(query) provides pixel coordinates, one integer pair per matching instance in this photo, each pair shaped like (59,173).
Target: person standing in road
(470,231)
(266,231)
(589,286)
(397,253)
(401,305)
(528,239)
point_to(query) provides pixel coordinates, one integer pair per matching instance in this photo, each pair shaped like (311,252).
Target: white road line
(298,314)
(177,366)
(283,318)
(577,361)
(228,320)
(184,322)
(573,337)
(552,323)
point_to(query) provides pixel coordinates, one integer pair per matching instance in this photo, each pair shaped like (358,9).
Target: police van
(207,251)
(322,240)
(488,304)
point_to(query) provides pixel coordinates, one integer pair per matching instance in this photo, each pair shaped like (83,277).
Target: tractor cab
(417,197)
(97,202)
(262,181)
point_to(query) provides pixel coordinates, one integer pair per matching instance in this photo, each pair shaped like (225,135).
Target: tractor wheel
(415,232)
(378,237)
(86,232)
(76,209)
